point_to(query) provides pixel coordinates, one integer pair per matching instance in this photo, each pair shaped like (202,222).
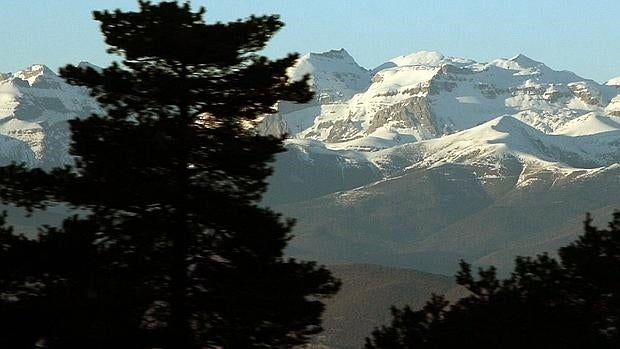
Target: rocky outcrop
(411,113)
(587,93)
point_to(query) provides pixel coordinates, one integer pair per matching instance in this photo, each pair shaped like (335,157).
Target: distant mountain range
(427,159)
(416,163)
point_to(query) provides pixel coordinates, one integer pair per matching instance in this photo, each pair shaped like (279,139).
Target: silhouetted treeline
(171,250)
(573,302)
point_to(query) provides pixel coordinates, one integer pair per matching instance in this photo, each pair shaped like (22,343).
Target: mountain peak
(39,69)
(524,61)
(86,65)
(430,58)
(33,73)
(505,123)
(613,81)
(523,64)
(332,60)
(335,76)
(336,55)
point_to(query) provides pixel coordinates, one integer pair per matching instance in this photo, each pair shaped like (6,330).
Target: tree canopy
(573,302)
(170,248)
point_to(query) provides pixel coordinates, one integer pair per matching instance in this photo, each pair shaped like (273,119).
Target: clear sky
(581,36)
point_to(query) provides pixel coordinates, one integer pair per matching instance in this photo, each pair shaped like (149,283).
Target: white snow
(489,145)
(589,124)
(418,110)
(425,109)
(429,58)
(335,76)
(33,101)
(613,81)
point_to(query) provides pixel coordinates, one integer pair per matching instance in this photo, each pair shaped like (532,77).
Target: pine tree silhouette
(170,249)
(570,303)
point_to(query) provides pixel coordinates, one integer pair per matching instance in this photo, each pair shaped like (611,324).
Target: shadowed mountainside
(367,293)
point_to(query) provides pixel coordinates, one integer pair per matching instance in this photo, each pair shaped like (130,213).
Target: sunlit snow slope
(426,96)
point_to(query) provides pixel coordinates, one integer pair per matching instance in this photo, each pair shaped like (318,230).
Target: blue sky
(575,35)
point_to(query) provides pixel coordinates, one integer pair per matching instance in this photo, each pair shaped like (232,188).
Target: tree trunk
(181,336)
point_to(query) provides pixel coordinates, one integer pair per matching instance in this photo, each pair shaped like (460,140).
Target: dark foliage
(570,303)
(170,249)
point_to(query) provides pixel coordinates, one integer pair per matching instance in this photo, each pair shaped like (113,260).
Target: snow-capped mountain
(34,106)
(613,81)
(335,77)
(426,95)
(442,158)
(418,162)
(425,98)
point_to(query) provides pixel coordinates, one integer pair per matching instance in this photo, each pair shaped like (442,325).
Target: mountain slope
(428,219)
(34,106)
(468,160)
(367,293)
(418,162)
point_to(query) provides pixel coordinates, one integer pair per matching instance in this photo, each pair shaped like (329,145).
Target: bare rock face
(412,113)
(588,93)
(272,125)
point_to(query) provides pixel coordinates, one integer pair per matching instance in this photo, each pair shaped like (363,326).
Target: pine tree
(170,248)
(546,303)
